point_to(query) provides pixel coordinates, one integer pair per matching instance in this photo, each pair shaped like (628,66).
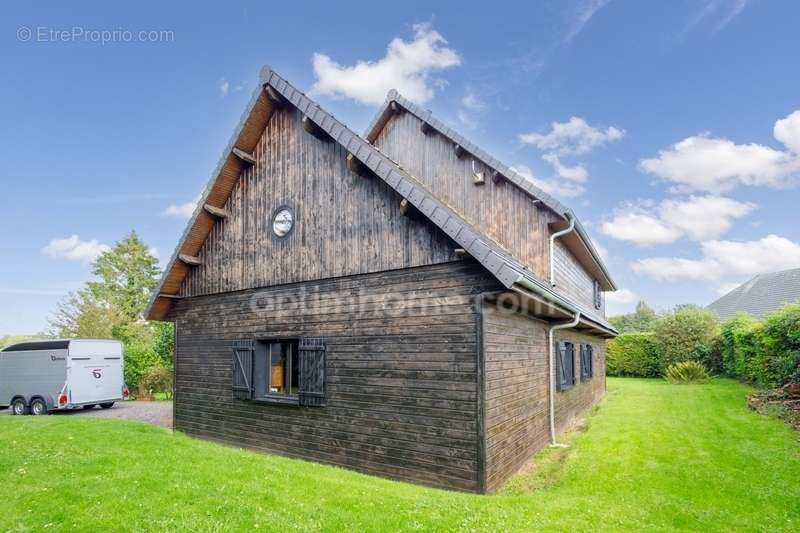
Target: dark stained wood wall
(345,224)
(402,371)
(516,390)
(573,281)
(503,212)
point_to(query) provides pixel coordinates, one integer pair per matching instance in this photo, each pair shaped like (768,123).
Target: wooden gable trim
(223,180)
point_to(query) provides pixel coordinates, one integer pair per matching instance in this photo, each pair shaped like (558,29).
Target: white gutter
(553,238)
(551,370)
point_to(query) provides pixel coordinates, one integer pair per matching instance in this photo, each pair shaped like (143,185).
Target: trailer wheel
(38,407)
(19,407)
(90,406)
(108,405)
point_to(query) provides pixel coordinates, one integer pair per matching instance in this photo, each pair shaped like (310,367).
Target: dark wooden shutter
(561,360)
(589,361)
(570,370)
(312,372)
(243,352)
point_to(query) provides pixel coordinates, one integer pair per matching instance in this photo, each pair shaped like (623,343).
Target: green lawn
(655,456)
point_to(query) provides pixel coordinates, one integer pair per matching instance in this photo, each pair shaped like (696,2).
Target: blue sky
(668,126)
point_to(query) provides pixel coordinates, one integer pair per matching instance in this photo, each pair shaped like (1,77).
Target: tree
(126,274)
(641,320)
(80,315)
(688,334)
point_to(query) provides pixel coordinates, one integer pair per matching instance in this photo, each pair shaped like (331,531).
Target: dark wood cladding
(517,387)
(502,211)
(345,224)
(401,364)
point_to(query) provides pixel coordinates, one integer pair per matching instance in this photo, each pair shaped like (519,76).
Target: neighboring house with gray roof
(404,305)
(760,296)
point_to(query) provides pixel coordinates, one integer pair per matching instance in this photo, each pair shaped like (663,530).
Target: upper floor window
(598,295)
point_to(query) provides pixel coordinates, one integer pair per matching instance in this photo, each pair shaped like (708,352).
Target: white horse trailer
(38,377)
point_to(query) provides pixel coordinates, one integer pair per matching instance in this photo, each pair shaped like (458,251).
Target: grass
(654,457)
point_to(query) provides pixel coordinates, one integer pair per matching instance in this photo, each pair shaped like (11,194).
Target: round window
(282,221)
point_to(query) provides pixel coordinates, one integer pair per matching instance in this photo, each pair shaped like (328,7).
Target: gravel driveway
(157,413)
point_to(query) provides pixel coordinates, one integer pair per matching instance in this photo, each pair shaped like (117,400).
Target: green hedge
(763,353)
(634,354)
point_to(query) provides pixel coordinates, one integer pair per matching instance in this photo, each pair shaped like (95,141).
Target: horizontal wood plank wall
(516,404)
(573,281)
(345,224)
(502,211)
(401,371)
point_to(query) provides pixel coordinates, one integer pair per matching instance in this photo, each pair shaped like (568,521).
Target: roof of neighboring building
(512,176)
(508,271)
(760,296)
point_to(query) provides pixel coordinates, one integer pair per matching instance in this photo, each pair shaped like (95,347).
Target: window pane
(277,370)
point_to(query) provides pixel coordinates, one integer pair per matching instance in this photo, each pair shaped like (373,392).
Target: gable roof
(509,272)
(760,295)
(578,241)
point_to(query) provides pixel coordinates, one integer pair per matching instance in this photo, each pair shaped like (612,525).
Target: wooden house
(401,304)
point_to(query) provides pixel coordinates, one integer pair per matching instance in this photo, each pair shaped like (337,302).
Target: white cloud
(725,258)
(224,87)
(551,186)
(637,224)
(715,164)
(787,131)
(74,249)
(573,137)
(698,218)
(577,173)
(620,301)
(726,9)
(182,210)
(702,218)
(406,67)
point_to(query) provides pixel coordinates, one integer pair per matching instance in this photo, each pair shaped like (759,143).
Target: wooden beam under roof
(274,97)
(357,167)
(217,212)
(498,178)
(190,260)
(313,128)
(170,296)
(244,156)
(405,207)
(426,128)
(460,152)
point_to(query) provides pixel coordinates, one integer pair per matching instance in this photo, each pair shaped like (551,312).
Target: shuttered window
(287,371)
(587,361)
(565,363)
(598,295)
(243,352)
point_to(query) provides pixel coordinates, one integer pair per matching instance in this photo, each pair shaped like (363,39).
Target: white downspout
(551,370)
(553,238)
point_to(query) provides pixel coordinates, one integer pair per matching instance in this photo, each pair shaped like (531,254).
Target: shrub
(687,334)
(633,354)
(156,379)
(686,372)
(780,343)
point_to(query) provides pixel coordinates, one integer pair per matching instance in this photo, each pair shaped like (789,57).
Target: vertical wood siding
(401,365)
(573,281)
(344,224)
(516,391)
(502,211)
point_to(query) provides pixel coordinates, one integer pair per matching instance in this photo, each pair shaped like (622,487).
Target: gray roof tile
(760,296)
